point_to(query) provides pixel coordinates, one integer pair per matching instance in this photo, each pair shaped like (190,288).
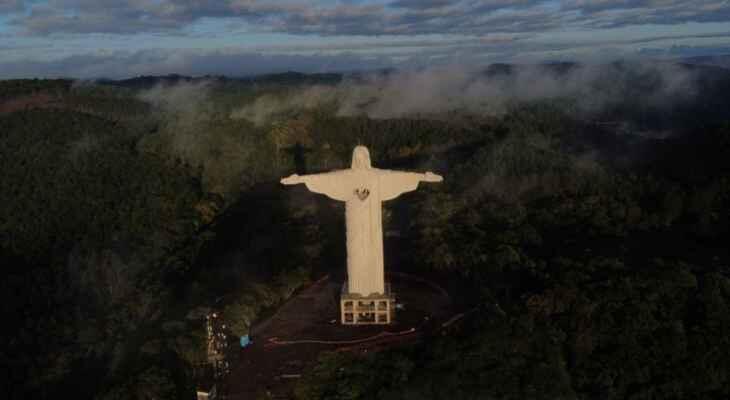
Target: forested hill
(584,215)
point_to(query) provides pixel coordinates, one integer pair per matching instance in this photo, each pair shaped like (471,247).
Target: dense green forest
(593,246)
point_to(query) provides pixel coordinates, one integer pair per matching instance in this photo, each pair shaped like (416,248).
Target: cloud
(454,88)
(116,16)
(399,17)
(185,100)
(616,13)
(421,4)
(11,6)
(402,45)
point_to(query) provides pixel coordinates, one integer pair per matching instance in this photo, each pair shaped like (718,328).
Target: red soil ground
(288,343)
(40,100)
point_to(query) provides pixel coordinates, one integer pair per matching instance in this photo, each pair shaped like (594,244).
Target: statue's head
(360,158)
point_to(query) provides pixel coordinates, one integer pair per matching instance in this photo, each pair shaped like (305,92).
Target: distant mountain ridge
(722,61)
(289,77)
(294,77)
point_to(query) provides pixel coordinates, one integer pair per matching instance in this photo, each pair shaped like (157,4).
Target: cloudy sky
(123,38)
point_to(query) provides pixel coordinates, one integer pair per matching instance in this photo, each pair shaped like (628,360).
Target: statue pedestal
(374,309)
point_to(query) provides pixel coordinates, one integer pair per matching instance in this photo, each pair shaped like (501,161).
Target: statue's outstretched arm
(292,179)
(395,183)
(334,184)
(431,177)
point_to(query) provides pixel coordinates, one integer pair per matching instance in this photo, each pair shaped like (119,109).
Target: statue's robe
(363,190)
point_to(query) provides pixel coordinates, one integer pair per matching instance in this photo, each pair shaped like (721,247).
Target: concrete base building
(375,309)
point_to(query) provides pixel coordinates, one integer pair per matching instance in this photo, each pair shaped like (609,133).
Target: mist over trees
(584,214)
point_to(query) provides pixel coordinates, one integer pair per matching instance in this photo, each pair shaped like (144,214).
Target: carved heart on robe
(362,193)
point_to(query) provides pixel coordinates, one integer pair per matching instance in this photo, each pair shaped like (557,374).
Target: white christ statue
(363,188)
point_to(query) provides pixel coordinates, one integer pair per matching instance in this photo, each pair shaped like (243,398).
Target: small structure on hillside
(366,298)
(207,374)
